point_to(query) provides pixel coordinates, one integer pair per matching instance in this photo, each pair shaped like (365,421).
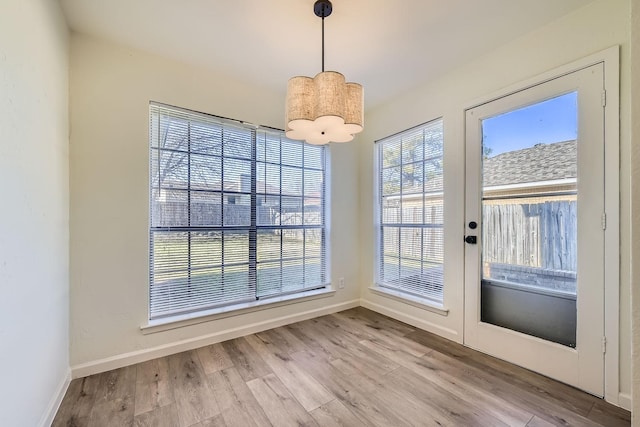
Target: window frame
(252,230)
(405,292)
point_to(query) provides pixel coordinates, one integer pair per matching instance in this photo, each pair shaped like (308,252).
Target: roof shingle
(542,162)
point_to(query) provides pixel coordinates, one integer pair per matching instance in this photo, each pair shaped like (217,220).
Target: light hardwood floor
(354,368)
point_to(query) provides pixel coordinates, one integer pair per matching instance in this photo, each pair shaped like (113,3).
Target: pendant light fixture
(325,108)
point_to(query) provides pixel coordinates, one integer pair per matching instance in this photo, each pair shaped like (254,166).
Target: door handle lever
(472,240)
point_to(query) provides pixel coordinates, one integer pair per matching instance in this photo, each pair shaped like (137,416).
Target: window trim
(194,318)
(410,299)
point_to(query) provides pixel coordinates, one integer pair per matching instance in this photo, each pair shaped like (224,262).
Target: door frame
(582,365)
(610,58)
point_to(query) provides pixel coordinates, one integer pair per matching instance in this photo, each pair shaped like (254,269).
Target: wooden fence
(542,234)
(530,232)
(211,214)
(414,243)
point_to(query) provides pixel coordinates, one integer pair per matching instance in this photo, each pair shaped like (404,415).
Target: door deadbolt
(473,225)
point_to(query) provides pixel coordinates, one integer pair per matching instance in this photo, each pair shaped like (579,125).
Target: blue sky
(547,122)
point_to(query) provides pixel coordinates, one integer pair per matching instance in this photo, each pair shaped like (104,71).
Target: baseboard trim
(56,400)
(624,401)
(126,359)
(412,320)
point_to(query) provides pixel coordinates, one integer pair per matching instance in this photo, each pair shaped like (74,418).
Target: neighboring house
(543,168)
(275,207)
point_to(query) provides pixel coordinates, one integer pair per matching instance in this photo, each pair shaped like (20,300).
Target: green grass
(206,274)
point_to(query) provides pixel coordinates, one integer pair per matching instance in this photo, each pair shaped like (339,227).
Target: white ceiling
(387,46)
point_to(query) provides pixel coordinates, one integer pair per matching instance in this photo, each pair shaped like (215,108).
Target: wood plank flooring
(353,368)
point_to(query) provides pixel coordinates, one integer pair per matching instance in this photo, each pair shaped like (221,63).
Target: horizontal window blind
(237,213)
(410,242)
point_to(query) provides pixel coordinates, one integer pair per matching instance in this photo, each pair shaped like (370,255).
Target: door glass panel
(529,219)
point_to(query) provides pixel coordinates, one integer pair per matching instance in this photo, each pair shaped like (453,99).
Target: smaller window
(410,212)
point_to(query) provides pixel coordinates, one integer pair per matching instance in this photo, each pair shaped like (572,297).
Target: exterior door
(534,238)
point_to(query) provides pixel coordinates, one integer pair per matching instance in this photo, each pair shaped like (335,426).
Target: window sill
(422,303)
(183,320)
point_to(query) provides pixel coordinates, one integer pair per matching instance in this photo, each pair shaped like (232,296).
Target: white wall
(34,218)
(595,27)
(635,208)
(111,87)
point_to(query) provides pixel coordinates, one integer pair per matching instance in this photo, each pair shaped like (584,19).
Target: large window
(410,245)
(237,213)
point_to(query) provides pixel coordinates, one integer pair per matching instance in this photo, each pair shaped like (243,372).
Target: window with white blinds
(237,213)
(410,245)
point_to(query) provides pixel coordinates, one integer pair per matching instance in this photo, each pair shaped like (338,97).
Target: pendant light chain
(323,42)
